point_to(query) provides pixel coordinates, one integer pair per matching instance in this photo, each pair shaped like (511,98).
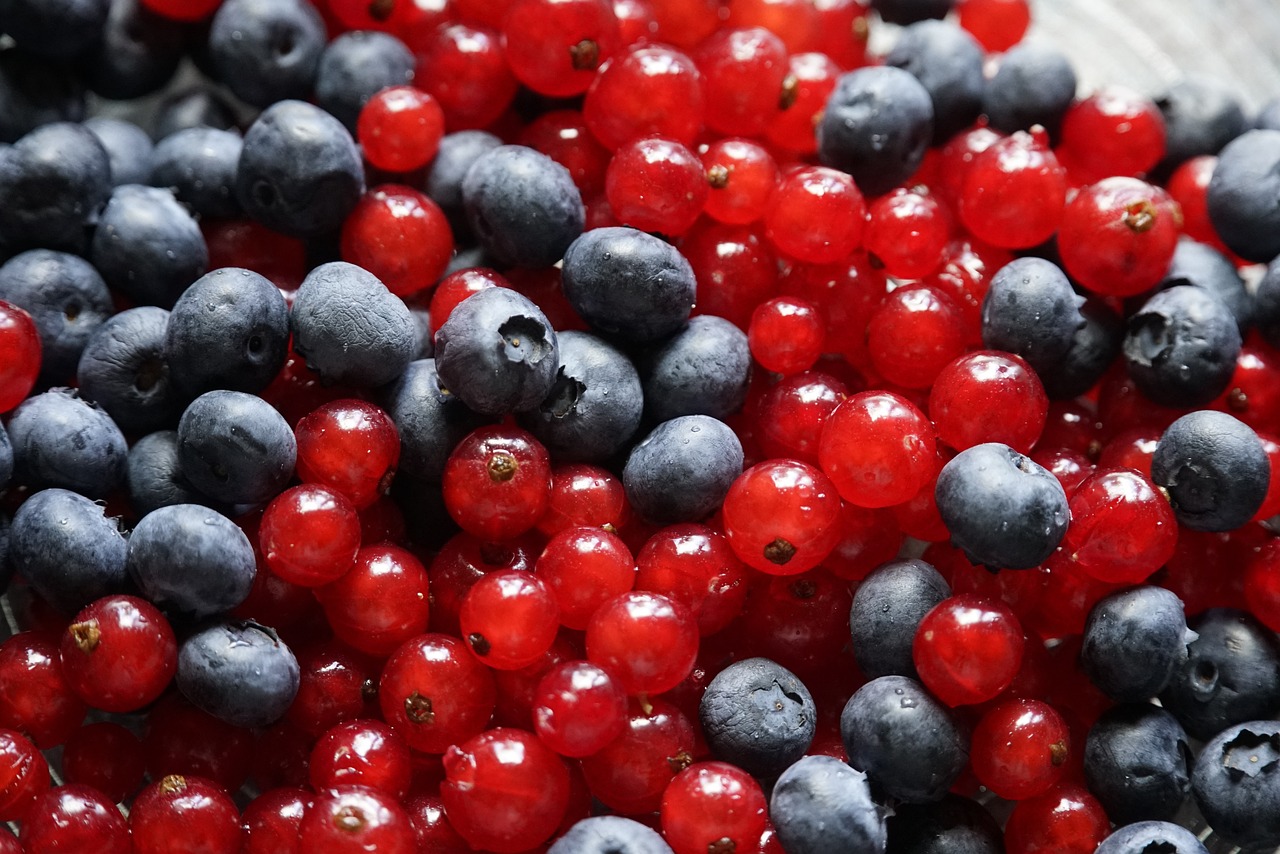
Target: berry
(119,654)
(968,649)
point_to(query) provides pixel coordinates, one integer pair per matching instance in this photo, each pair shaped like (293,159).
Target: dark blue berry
(910,11)
(191,559)
(197,107)
(1181,347)
(199,166)
(876,126)
(594,405)
(1213,468)
(350,328)
(154,475)
(1201,115)
(35,92)
(239,672)
(354,66)
(147,246)
(137,54)
(53,30)
(1137,763)
(235,447)
(128,149)
(69,551)
(267,50)
(627,283)
(53,181)
(6,568)
(453,158)
(1002,509)
(1032,311)
(6,458)
(1152,837)
(1034,85)
(431,420)
(757,715)
(1236,783)
(229,330)
(1134,642)
(62,440)
(609,834)
(1205,267)
(701,370)
(1242,193)
(948,62)
(887,609)
(1093,350)
(822,806)
(123,369)
(682,470)
(1267,304)
(953,825)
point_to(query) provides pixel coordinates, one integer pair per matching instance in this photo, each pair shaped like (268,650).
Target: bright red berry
(399,129)
(119,653)
(968,649)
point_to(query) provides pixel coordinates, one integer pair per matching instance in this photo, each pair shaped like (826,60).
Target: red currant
(878,449)
(817,215)
(496,482)
(19,355)
(509,619)
(578,708)
(401,236)
(435,693)
(399,129)
(968,649)
(119,654)
(380,602)
(185,814)
(1019,748)
(647,640)
(988,396)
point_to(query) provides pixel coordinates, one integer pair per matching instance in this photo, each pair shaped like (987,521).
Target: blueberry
(948,62)
(1181,347)
(453,158)
(6,568)
(1236,783)
(756,714)
(1031,310)
(877,124)
(1002,509)
(703,369)
(594,405)
(123,369)
(497,352)
(1034,85)
(1214,470)
(235,447)
(1134,642)
(1151,837)
(522,206)
(1137,763)
(65,297)
(191,559)
(911,11)
(300,172)
(197,107)
(128,149)
(6,458)
(887,608)
(627,283)
(53,181)
(1268,117)
(431,420)
(1242,193)
(1232,674)
(229,330)
(34,92)
(67,549)
(953,825)
(137,54)
(822,806)
(1267,304)
(62,440)
(609,834)
(1205,267)
(350,328)
(906,741)
(154,475)
(682,470)
(199,166)
(239,672)
(53,30)
(1093,350)
(354,66)
(148,246)
(267,50)
(1201,115)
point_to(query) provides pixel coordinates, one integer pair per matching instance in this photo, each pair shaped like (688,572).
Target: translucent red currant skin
(810,79)
(782,517)
(743,69)
(878,449)
(119,654)
(695,565)
(997,24)
(504,791)
(713,806)
(462,66)
(74,818)
(584,568)
(1014,192)
(309,535)
(431,826)
(336,684)
(1114,131)
(435,693)
(656,185)
(35,696)
(361,752)
(817,215)
(272,819)
(578,708)
(399,129)
(989,396)
(20,351)
(651,90)
(630,774)
(107,757)
(907,231)
(355,819)
(563,136)
(1118,236)
(1122,528)
(187,814)
(401,236)
(509,619)
(915,333)
(1262,585)
(24,775)
(647,640)
(1064,820)
(379,603)
(742,176)
(181,739)
(496,482)
(555,46)
(786,335)
(1020,748)
(968,649)
(350,446)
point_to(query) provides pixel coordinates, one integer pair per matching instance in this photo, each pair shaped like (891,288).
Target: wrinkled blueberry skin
(682,470)
(199,166)
(191,559)
(953,825)
(887,609)
(1267,304)
(1137,763)
(877,125)
(1242,193)
(701,370)
(948,63)
(239,672)
(53,181)
(128,149)
(1034,85)
(1144,837)
(350,328)
(497,352)
(300,172)
(609,834)
(354,66)
(628,284)
(1002,509)
(1232,674)
(1031,310)
(822,806)
(453,158)
(431,420)
(266,50)
(905,740)
(65,297)
(1201,265)
(1214,469)
(154,475)
(123,370)
(1236,783)
(1201,115)
(522,206)
(229,330)
(147,246)
(1094,348)
(53,30)
(756,714)
(1134,641)
(1181,347)
(138,52)
(34,92)
(67,549)
(235,447)
(200,107)
(60,440)
(594,405)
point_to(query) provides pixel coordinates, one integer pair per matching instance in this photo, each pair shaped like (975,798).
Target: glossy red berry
(563,136)
(742,176)
(399,129)
(20,351)
(694,565)
(1064,820)
(1020,748)
(968,649)
(578,708)
(36,697)
(1114,131)
(435,693)
(713,806)
(107,757)
(361,752)
(496,482)
(817,215)
(735,267)
(810,79)
(350,446)
(187,814)
(335,684)
(583,568)
(742,75)
(1118,236)
(656,184)
(786,335)
(119,653)
(74,817)
(1122,529)
(352,819)
(431,826)
(907,231)
(782,516)
(555,46)
(380,602)
(309,535)
(1188,186)
(651,90)
(792,412)
(463,67)
(182,739)
(272,819)
(988,396)
(878,449)
(183,10)
(509,619)
(1014,192)
(1262,585)
(997,24)
(647,640)
(914,334)
(401,236)
(584,496)
(630,774)
(24,775)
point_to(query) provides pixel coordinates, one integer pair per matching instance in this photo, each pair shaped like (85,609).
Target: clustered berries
(629,427)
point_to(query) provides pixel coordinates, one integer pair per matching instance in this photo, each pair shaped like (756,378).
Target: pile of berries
(629,427)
